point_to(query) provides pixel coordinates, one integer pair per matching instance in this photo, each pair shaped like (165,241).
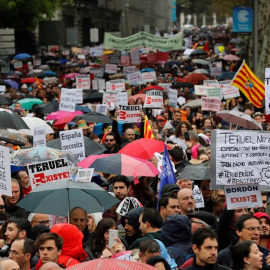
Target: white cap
(24,86)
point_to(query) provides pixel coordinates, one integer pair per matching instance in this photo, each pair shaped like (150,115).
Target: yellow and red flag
(250,85)
(148,132)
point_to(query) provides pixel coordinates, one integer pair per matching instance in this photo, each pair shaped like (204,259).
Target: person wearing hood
(176,234)
(72,250)
(130,222)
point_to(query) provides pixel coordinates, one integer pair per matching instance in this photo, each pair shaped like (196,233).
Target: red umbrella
(71,75)
(135,97)
(112,264)
(60,123)
(195,78)
(152,87)
(30,80)
(143,148)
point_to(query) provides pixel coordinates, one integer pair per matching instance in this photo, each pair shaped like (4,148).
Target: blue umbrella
(50,73)
(147,70)
(83,109)
(22,56)
(13,84)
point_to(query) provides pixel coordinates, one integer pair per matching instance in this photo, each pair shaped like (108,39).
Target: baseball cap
(260,215)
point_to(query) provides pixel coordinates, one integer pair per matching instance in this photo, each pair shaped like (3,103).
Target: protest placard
(84,175)
(96,71)
(128,204)
(83,82)
(211,104)
(240,157)
(5,69)
(198,197)
(149,76)
(101,84)
(135,58)
(110,98)
(18,64)
(214,92)
(37,62)
(135,78)
(79,95)
(211,83)
(96,51)
(114,86)
(73,141)
(47,171)
(129,113)
(65,52)
(129,69)
(228,90)
(95,84)
(201,90)
(173,97)
(67,100)
(5,174)
(2,88)
(181,100)
(102,108)
(114,59)
(81,56)
(122,98)
(125,61)
(243,196)
(39,138)
(267,91)
(154,99)
(216,68)
(111,69)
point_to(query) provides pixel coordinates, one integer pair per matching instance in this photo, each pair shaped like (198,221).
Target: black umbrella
(94,118)
(10,119)
(198,52)
(196,172)
(92,96)
(3,63)
(173,62)
(2,82)
(53,63)
(47,107)
(182,84)
(5,101)
(91,147)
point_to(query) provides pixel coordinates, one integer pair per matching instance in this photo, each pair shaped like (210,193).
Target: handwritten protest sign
(129,69)
(96,51)
(102,108)
(5,174)
(201,90)
(129,114)
(153,99)
(135,58)
(211,83)
(110,98)
(198,197)
(72,140)
(83,82)
(111,69)
(135,78)
(216,68)
(2,88)
(47,171)
(173,97)
(18,64)
(149,76)
(122,98)
(228,90)
(39,138)
(67,100)
(211,104)
(244,196)
(84,175)
(79,95)
(214,92)
(240,157)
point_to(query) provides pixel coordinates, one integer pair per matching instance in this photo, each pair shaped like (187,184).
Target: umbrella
(86,163)
(10,119)
(195,78)
(226,75)
(2,82)
(53,63)
(48,107)
(173,62)
(91,147)
(117,76)
(182,84)
(12,83)
(30,80)
(201,71)
(198,52)
(112,264)
(135,97)
(121,164)
(50,73)
(151,87)
(9,137)
(50,80)
(231,57)
(83,109)
(27,103)
(59,197)
(3,63)
(196,172)
(147,70)
(22,56)
(194,103)
(5,101)
(33,122)
(62,114)
(71,75)
(35,73)
(44,67)
(200,62)
(240,119)
(143,148)
(93,117)
(24,157)
(92,96)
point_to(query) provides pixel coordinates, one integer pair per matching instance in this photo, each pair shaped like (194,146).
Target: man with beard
(110,144)
(264,206)
(186,201)
(264,221)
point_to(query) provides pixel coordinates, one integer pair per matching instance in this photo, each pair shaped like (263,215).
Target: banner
(149,76)
(228,90)
(67,100)
(47,171)
(83,82)
(39,138)
(84,175)
(135,78)
(153,99)
(142,39)
(5,173)
(211,104)
(73,141)
(240,157)
(129,114)
(243,196)
(111,69)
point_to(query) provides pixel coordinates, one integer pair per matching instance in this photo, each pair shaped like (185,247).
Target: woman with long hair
(178,136)
(246,256)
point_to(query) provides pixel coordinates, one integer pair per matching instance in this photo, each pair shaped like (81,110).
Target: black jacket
(215,266)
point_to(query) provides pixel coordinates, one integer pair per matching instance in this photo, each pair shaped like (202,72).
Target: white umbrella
(194,103)
(201,71)
(33,122)
(240,119)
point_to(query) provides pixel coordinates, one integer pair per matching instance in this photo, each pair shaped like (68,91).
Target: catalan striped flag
(250,85)
(148,132)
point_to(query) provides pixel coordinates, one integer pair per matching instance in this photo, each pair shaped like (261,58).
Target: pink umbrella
(231,57)
(62,114)
(85,163)
(71,75)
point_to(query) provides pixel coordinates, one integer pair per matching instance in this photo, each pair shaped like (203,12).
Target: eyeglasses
(14,252)
(253,228)
(109,140)
(42,222)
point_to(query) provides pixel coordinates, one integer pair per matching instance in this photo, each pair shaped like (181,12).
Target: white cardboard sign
(228,90)
(102,108)
(201,90)
(211,104)
(67,100)
(5,174)
(173,97)
(135,78)
(39,138)
(84,175)
(149,76)
(83,82)
(129,113)
(111,68)
(198,197)
(154,99)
